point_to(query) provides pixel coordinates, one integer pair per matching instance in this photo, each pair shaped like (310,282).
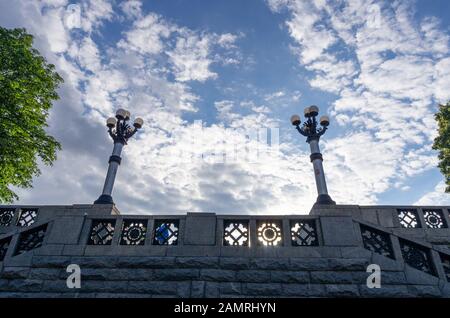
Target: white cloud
(435,197)
(190,58)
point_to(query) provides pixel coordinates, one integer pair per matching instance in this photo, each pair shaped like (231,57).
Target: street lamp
(311,130)
(120,131)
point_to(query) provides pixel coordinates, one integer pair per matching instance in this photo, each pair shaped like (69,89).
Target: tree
(442,142)
(27,88)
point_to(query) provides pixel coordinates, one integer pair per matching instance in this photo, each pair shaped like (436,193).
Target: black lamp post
(120,131)
(311,130)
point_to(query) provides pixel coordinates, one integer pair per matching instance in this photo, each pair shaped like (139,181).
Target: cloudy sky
(210,75)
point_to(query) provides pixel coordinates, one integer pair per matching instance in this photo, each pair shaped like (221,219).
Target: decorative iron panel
(102,232)
(31,239)
(434,219)
(235,232)
(6,216)
(408,218)
(133,232)
(269,233)
(4,244)
(27,217)
(376,241)
(445,260)
(166,232)
(416,256)
(303,233)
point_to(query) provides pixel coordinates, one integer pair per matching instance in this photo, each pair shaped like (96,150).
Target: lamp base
(104,199)
(324,199)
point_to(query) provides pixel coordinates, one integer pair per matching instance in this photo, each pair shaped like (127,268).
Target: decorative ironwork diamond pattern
(416,256)
(408,218)
(102,232)
(27,217)
(376,241)
(133,232)
(434,219)
(31,239)
(4,244)
(166,232)
(445,260)
(235,233)
(6,217)
(269,233)
(303,233)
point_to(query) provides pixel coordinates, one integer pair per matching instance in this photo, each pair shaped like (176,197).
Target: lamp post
(120,131)
(311,130)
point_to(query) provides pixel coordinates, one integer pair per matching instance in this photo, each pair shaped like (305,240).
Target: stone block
(386,291)
(175,274)
(44,273)
(303,290)
(234,262)
(253,276)
(94,262)
(348,264)
(313,264)
(197,289)
(197,262)
(104,286)
(392,278)
(200,229)
(221,275)
(153,287)
(15,272)
(338,277)
(425,291)
(338,231)
(416,277)
(256,289)
(289,277)
(66,230)
(145,262)
(184,289)
(51,261)
(73,250)
(342,290)
(25,285)
(385,217)
(49,249)
(269,263)
(212,290)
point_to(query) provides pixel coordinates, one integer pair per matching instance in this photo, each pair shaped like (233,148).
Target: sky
(216,83)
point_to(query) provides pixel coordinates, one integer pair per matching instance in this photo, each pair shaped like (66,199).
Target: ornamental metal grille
(445,259)
(27,217)
(376,241)
(408,218)
(434,219)
(31,239)
(102,232)
(4,244)
(416,256)
(235,233)
(166,232)
(269,233)
(303,233)
(133,232)
(6,217)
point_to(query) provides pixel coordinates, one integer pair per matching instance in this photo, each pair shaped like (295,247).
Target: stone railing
(326,237)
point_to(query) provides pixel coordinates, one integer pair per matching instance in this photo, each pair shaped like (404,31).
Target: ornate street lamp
(311,130)
(120,131)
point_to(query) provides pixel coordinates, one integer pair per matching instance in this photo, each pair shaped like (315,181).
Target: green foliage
(442,142)
(27,88)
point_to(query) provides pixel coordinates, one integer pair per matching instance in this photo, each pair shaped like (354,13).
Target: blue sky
(377,68)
